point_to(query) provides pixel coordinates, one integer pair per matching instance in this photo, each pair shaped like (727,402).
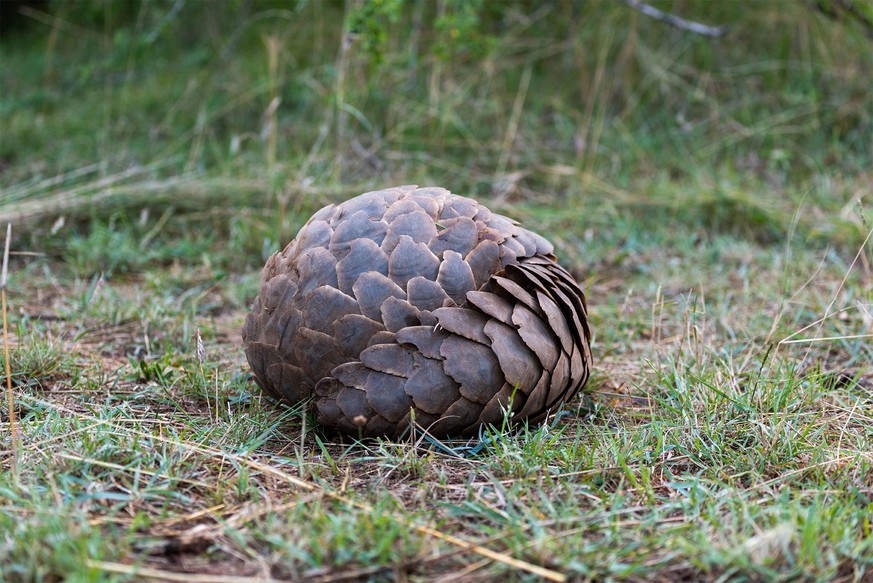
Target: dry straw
(12,429)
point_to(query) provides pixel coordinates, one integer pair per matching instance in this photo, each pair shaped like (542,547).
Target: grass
(713,195)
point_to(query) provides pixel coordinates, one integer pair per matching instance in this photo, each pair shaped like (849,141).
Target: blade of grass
(13,431)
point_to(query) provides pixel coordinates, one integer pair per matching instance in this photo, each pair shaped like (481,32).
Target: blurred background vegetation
(223,124)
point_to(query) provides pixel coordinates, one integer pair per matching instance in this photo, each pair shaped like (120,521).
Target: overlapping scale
(414,305)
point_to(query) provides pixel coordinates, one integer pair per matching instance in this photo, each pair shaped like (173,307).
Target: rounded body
(417,306)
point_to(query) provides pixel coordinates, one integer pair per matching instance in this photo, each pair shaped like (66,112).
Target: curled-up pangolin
(417,305)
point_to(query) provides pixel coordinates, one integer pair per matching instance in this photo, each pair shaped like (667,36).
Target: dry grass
(712,195)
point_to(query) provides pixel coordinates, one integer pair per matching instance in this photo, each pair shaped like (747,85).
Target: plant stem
(12,428)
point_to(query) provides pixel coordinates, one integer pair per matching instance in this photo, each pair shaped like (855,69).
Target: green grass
(713,196)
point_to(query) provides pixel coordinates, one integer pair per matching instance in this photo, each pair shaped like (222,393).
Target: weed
(37,358)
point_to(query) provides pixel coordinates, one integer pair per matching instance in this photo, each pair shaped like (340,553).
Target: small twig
(845,427)
(142,572)
(827,339)
(13,430)
(681,23)
(828,314)
(787,339)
